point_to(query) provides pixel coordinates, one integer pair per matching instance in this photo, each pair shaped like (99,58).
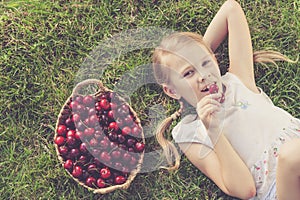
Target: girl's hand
(207,109)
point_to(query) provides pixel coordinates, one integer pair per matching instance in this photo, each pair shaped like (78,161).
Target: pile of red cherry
(99,140)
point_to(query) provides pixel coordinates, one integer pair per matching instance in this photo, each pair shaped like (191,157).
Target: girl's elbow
(251,193)
(246,193)
(233,6)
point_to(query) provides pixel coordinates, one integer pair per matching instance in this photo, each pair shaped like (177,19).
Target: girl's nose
(202,77)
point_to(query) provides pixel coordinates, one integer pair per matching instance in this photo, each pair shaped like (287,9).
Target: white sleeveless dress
(255,128)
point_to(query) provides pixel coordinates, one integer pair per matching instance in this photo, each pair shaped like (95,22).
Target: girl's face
(192,70)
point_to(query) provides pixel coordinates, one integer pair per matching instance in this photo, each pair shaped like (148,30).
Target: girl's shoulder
(233,83)
(232,78)
(236,90)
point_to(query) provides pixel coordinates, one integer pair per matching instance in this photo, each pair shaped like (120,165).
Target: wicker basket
(67,113)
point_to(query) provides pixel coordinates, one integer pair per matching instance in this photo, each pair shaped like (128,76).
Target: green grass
(43,46)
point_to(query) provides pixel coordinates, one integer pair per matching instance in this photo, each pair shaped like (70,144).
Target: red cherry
(68,164)
(61,130)
(71,141)
(130,142)
(104,104)
(116,154)
(213,89)
(96,152)
(120,179)
(77,172)
(118,166)
(100,183)
(69,122)
(81,109)
(113,136)
(105,173)
(82,160)
(74,153)
(71,133)
(113,106)
(97,106)
(104,143)
(121,138)
(63,150)
(78,99)
(113,145)
(92,168)
(126,157)
(139,146)
(76,117)
(110,114)
(113,126)
(128,120)
(93,120)
(59,140)
(83,148)
(105,157)
(80,126)
(73,105)
(90,181)
(89,132)
(78,135)
(93,142)
(92,111)
(136,131)
(88,101)
(133,161)
(126,130)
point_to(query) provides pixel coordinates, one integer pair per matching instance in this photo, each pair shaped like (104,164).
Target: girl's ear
(171,92)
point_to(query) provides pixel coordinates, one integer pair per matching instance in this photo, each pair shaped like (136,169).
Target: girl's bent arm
(231,20)
(223,166)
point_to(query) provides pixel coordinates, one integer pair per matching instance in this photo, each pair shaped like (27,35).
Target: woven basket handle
(88,82)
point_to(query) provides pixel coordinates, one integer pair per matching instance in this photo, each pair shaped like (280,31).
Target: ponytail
(168,147)
(270,57)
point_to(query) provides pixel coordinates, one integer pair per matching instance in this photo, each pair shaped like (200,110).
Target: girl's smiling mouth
(211,88)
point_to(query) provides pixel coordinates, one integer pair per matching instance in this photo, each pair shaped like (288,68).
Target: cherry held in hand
(213,89)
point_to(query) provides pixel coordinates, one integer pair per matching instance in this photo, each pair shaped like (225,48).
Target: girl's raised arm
(230,20)
(223,166)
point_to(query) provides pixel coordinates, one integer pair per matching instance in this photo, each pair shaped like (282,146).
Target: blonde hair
(169,46)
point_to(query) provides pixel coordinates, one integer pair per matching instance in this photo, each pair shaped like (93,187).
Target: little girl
(237,137)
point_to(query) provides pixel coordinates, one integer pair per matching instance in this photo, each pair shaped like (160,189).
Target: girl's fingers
(207,111)
(209,99)
(212,96)
(207,107)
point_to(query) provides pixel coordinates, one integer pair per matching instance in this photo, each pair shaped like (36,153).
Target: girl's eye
(188,73)
(205,63)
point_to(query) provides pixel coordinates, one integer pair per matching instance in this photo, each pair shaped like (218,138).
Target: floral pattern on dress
(264,171)
(243,104)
